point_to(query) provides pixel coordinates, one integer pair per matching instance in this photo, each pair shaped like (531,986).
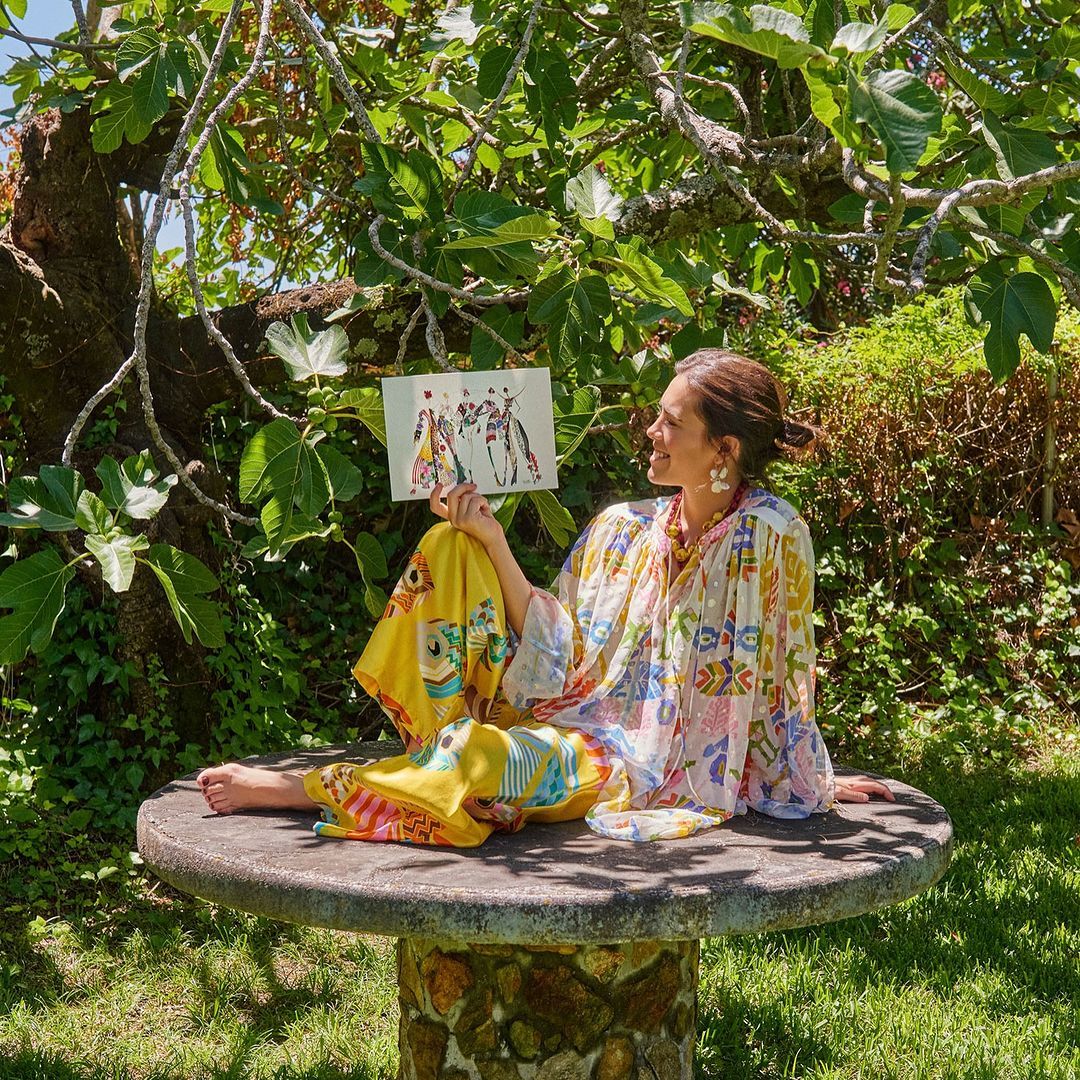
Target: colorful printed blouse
(701,691)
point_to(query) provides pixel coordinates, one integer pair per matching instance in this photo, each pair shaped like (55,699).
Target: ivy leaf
(185,581)
(590,195)
(116,558)
(366,403)
(345,479)
(901,110)
(1012,305)
(119,118)
(1017,151)
(649,280)
(764,30)
(574,414)
(134,488)
(46,501)
(34,588)
(308,354)
(556,519)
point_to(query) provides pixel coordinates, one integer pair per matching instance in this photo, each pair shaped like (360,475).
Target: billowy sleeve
(551,646)
(788,772)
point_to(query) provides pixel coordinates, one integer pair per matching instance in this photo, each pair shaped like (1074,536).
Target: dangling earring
(719,478)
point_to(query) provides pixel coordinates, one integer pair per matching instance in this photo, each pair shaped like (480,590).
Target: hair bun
(796,434)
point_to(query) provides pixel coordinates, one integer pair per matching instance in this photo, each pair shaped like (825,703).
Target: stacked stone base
(507,1012)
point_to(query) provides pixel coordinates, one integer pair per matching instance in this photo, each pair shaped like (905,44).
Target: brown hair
(740,397)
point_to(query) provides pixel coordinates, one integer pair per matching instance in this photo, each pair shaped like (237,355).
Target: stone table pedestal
(552,953)
(505,1012)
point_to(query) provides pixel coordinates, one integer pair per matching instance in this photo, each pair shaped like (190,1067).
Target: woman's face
(682,453)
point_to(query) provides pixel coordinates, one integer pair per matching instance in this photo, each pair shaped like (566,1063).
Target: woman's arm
(470,512)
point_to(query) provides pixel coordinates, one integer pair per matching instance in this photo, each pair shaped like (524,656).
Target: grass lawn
(977,979)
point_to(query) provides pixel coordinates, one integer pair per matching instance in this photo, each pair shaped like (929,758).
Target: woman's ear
(728,449)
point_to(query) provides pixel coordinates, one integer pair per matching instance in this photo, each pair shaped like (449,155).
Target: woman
(668,685)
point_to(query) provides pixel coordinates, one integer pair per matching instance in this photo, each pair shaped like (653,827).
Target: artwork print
(492,428)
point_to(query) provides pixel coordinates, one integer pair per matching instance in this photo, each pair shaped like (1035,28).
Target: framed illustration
(495,429)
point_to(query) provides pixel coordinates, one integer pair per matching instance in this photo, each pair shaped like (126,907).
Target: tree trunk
(68,294)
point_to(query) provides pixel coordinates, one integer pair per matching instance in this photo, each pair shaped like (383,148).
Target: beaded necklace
(680,553)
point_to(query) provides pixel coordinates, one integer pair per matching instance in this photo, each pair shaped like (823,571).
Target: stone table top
(549,883)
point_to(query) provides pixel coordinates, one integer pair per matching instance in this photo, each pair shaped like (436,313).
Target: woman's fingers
(438,507)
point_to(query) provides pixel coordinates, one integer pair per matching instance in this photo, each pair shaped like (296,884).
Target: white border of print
(449,427)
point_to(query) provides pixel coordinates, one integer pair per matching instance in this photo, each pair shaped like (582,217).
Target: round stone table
(552,953)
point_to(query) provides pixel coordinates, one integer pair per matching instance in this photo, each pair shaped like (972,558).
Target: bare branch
(491,333)
(433,283)
(403,343)
(493,108)
(80,22)
(322,47)
(150,241)
(223,107)
(434,336)
(926,237)
(895,216)
(592,69)
(86,48)
(713,140)
(895,39)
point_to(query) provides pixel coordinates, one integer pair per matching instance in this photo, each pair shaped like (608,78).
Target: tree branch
(493,108)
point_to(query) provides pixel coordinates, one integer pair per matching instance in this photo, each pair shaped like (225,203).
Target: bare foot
(232,787)
(860,788)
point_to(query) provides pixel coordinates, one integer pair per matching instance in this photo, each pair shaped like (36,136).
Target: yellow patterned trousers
(473,764)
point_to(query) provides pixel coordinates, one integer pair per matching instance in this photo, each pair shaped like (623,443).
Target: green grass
(977,979)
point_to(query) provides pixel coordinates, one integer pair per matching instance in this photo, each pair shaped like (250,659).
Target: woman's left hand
(860,788)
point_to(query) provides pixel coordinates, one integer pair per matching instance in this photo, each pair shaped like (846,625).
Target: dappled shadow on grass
(740,1039)
(267,1006)
(1006,905)
(35,1065)
(169,928)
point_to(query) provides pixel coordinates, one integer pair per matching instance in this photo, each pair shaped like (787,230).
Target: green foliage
(1013,305)
(946,622)
(34,588)
(308,355)
(902,111)
(57,500)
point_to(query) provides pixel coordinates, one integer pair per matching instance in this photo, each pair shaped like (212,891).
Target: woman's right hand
(468,511)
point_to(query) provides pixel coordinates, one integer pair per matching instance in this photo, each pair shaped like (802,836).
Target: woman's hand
(860,788)
(468,511)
